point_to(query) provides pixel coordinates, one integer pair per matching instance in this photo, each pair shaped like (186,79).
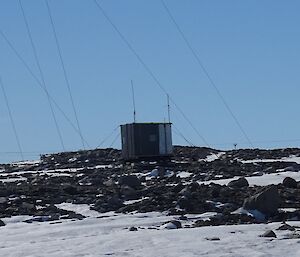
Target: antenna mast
(169,108)
(133,101)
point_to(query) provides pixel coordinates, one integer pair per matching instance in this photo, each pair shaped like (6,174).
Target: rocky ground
(180,186)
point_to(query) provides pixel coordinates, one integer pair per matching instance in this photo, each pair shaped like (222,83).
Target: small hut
(146,141)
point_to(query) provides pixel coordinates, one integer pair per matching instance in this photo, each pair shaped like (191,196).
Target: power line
(205,71)
(107,137)
(64,71)
(42,75)
(177,132)
(11,119)
(149,71)
(21,59)
(115,139)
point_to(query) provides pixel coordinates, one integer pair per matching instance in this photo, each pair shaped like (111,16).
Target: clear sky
(250,49)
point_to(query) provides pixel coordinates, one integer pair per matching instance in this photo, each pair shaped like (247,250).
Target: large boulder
(266,201)
(238,183)
(130,180)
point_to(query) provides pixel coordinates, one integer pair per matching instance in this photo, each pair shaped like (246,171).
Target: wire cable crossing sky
(230,68)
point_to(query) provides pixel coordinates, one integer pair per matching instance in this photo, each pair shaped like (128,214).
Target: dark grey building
(146,140)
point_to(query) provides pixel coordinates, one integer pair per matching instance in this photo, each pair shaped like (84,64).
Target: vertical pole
(133,101)
(168,100)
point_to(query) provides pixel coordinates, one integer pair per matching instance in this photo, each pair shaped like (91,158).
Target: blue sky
(250,49)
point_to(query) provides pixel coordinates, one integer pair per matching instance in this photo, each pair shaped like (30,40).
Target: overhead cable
(107,137)
(42,76)
(205,71)
(148,70)
(59,50)
(39,83)
(11,119)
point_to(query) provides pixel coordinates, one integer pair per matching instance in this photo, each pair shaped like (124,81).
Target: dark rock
(130,180)
(129,193)
(182,217)
(184,203)
(73,215)
(238,183)
(39,219)
(289,182)
(194,186)
(266,201)
(177,223)
(174,224)
(269,233)
(290,168)
(213,238)
(2,223)
(114,203)
(70,189)
(292,236)
(286,227)
(133,229)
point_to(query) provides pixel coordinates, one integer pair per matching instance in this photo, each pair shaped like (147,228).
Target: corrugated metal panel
(169,143)
(146,140)
(162,139)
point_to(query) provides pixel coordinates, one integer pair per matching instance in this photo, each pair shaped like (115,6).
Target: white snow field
(110,236)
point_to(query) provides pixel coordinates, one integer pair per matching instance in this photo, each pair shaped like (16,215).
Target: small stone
(238,183)
(213,238)
(183,217)
(269,233)
(290,168)
(177,223)
(2,223)
(133,229)
(174,224)
(286,227)
(292,236)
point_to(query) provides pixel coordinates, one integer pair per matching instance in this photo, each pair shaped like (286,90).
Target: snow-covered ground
(264,180)
(108,235)
(291,158)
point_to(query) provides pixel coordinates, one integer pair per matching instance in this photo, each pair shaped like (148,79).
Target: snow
(11,180)
(264,180)
(291,158)
(83,209)
(8,177)
(23,163)
(135,201)
(212,157)
(184,174)
(169,225)
(110,236)
(254,213)
(107,234)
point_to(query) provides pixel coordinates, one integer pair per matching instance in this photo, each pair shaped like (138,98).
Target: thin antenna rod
(133,101)
(169,108)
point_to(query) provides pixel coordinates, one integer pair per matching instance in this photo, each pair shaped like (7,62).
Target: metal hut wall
(146,140)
